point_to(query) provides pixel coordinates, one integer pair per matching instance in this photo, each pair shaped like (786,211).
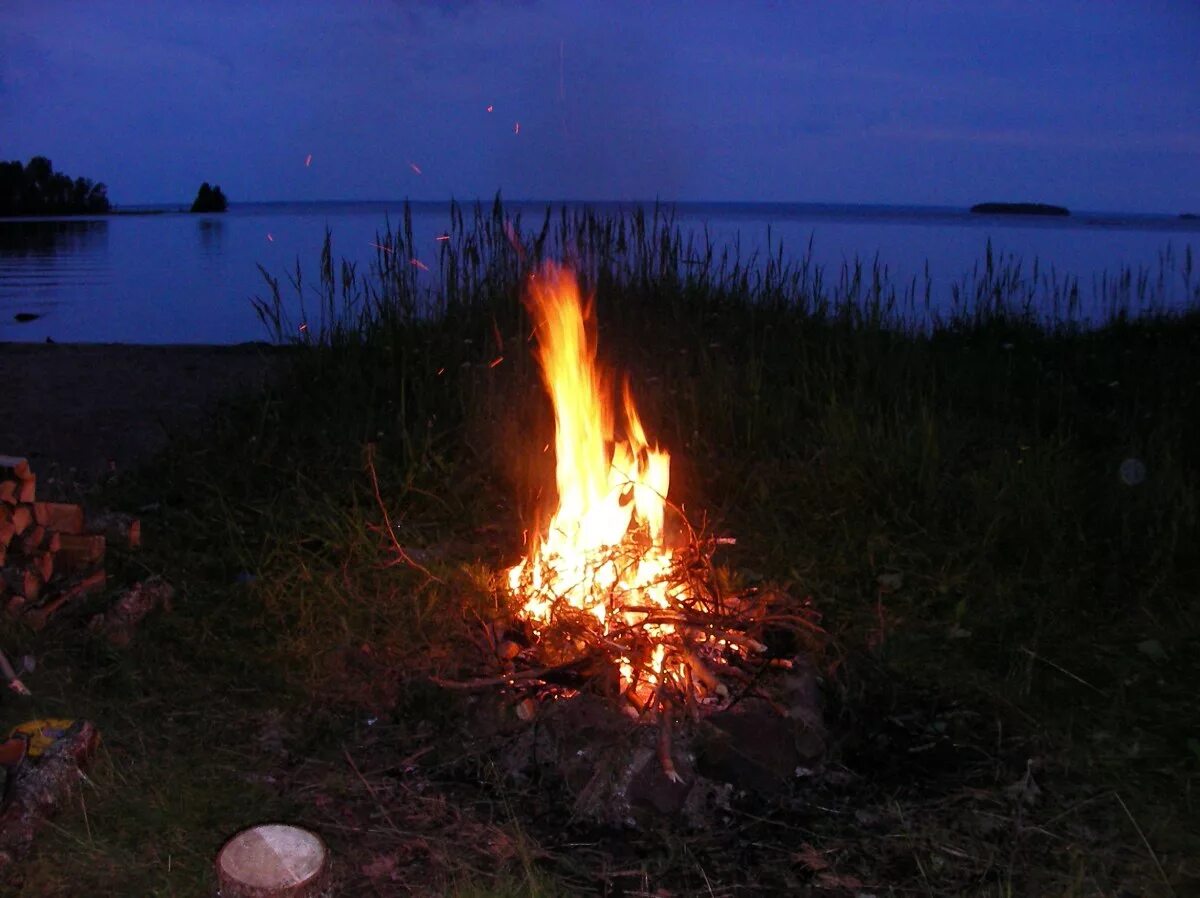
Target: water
(172,277)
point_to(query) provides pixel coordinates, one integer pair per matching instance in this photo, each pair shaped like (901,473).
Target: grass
(1014,624)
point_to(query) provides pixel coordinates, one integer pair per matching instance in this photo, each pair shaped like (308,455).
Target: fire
(603,553)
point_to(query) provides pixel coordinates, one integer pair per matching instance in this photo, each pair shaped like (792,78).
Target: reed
(948,482)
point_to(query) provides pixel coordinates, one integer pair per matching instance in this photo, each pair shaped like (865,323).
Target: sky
(1094,105)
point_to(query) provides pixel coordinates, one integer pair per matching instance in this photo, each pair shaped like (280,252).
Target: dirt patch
(80,412)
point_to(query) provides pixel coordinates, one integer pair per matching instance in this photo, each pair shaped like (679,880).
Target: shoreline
(85,412)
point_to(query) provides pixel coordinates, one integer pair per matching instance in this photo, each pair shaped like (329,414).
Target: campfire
(617,600)
(601,579)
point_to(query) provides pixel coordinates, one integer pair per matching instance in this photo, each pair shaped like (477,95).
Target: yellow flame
(611,492)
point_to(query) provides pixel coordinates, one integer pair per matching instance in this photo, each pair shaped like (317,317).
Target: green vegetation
(37,189)
(209,199)
(1012,604)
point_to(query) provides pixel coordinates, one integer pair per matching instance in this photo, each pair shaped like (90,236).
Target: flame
(603,552)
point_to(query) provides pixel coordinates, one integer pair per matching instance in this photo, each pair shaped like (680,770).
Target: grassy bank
(996,513)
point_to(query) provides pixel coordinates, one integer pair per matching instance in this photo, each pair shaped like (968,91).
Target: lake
(167,276)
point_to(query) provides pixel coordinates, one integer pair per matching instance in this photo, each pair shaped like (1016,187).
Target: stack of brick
(49,555)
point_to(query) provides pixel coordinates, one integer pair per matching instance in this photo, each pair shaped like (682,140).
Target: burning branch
(605,602)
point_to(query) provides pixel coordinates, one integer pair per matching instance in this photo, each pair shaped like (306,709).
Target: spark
(442,237)
(303,328)
(441,371)
(270,238)
(490,107)
(496,361)
(415,167)
(419,264)
(308,160)
(386,249)
(516,128)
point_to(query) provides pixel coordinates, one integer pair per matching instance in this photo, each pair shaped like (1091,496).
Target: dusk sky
(1094,105)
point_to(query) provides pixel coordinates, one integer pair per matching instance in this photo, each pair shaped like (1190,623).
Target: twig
(404,556)
(1145,841)
(512,679)
(14,682)
(370,791)
(1078,679)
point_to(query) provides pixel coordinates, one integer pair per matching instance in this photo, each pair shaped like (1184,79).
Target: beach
(83,412)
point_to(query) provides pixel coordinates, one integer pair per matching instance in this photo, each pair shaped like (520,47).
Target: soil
(82,412)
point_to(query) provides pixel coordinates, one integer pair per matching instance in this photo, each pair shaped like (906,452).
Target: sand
(82,412)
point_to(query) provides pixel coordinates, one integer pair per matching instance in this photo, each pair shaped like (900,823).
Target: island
(209,199)
(1019,209)
(37,189)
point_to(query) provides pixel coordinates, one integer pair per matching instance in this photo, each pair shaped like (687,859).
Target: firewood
(32,584)
(10,674)
(36,791)
(32,540)
(53,541)
(44,562)
(7,530)
(22,517)
(8,491)
(118,623)
(61,516)
(15,606)
(27,491)
(78,552)
(38,617)
(273,861)
(14,467)
(118,528)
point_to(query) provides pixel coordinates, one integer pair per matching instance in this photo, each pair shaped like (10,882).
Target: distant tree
(37,189)
(209,199)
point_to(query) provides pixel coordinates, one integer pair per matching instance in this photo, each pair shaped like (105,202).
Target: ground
(83,412)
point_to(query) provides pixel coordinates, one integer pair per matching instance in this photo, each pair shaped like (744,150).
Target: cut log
(27,491)
(118,623)
(80,551)
(14,467)
(8,491)
(6,532)
(37,618)
(273,861)
(32,540)
(118,528)
(22,517)
(35,791)
(32,584)
(44,565)
(61,516)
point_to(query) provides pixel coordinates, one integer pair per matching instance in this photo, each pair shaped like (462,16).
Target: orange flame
(603,552)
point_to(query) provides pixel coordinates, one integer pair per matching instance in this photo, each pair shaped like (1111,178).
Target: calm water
(181,278)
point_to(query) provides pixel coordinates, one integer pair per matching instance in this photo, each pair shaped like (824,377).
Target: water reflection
(212,235)
(44,237)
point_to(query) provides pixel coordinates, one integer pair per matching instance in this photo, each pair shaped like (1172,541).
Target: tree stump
(273,861)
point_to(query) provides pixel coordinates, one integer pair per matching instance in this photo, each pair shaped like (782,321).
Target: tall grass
(948,486)
(849,433)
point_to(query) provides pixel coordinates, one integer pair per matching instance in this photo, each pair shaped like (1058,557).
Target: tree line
(37,189)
